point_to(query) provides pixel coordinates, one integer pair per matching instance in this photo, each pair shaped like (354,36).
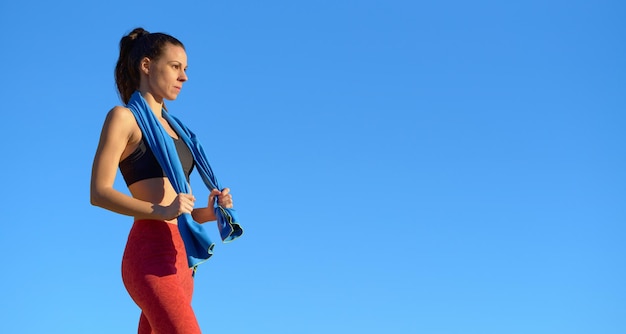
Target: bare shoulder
(120,114)
(120,123)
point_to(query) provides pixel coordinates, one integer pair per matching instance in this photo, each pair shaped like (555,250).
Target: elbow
(93,201)
(95,197)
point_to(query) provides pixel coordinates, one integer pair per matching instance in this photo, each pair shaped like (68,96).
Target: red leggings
(157,277)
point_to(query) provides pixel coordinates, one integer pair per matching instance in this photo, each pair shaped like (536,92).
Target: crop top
(142,164)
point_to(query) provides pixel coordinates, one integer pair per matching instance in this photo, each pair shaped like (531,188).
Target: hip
(154,247)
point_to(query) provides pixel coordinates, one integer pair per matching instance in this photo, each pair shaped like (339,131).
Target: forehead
(174,53)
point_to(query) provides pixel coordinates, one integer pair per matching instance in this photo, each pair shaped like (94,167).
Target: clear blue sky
(436,167)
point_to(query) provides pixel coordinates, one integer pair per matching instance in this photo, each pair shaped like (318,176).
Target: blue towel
(197,242)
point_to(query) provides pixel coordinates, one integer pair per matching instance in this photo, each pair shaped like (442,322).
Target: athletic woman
(155,270)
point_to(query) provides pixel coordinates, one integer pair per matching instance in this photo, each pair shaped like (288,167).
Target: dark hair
(138,44)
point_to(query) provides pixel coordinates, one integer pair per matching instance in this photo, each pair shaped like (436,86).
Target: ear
(144,65)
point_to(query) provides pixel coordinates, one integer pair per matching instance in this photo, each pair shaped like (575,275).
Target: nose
(183,76)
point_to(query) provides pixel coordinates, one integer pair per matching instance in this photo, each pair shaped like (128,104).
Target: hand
(224,198)
(183,203)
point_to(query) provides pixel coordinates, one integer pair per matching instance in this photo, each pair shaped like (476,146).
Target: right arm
(117,131)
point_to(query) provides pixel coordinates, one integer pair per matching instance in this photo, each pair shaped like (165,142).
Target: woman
(155,270)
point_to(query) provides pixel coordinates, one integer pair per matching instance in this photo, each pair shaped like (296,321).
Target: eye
(176,66)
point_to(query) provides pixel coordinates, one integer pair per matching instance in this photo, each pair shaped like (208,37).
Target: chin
(171,97)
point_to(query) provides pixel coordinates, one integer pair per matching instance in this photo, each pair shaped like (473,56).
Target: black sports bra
(142,164)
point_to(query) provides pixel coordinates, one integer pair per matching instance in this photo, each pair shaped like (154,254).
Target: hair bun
(127,42)
(138,32)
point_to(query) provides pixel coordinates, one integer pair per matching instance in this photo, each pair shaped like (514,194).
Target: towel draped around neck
(198,245)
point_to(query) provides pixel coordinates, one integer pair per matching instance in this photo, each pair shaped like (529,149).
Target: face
(165,76)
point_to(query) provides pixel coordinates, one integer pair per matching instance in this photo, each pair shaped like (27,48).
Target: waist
(156,222)
(155,229)
(171,224)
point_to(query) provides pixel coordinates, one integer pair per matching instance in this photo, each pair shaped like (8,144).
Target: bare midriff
(155,190)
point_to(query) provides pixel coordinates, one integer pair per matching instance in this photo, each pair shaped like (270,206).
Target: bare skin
(154,198)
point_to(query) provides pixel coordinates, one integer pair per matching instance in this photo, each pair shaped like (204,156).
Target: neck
(155,104)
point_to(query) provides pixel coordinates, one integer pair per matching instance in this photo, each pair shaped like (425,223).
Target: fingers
(224,198)
(188,196)
(182,203)
(185,203)
(212,195)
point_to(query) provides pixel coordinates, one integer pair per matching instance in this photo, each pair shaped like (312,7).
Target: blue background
(434,167)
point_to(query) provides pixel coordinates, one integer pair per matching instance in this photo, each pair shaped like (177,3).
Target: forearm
(203,215)
(118,202)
